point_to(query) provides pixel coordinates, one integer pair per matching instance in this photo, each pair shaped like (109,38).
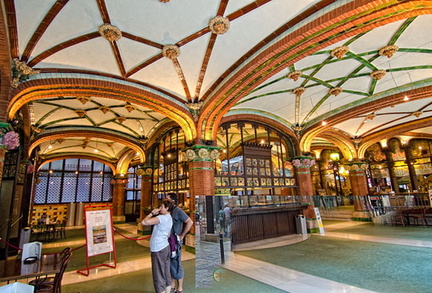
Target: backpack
(174,242)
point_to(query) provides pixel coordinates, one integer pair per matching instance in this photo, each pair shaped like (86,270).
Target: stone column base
(143,230)
(119,219)
(362,216)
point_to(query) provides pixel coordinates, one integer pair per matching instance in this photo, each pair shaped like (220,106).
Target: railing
(378,204)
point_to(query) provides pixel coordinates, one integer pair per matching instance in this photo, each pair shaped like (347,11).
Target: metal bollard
(222,248)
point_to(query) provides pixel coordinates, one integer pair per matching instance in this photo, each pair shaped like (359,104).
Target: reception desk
(252,224)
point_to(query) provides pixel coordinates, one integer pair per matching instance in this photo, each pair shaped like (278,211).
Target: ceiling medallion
(171,51)
(83,99)
(110,32)
(417,114)
(388,51)
(104,109)
(335,91)
(298,91)
(219,25)
(120,119)
(339,52)
(80,113)
(294,75)
(130,108)
(371,116)
(378,74)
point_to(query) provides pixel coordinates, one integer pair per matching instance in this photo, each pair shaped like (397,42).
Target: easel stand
(99,236)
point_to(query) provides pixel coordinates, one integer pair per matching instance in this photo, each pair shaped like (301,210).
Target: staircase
(345,214)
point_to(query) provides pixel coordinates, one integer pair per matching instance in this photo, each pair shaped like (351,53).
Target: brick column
(119,198)
(201,177)
(359,188)
(146,191)
(146,198)
(305,190)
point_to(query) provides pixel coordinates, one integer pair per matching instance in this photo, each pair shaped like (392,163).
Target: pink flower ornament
(10,140)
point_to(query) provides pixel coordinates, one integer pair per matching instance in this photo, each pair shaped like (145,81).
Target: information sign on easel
(99,236)
(319,221)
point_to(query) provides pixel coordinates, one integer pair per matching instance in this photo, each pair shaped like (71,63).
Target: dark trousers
(161,269)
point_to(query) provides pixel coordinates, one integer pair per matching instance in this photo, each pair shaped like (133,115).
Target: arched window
(73,180)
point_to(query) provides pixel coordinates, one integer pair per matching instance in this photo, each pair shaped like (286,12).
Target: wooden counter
(252,224)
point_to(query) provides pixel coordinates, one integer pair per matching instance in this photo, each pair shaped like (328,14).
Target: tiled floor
(208,258)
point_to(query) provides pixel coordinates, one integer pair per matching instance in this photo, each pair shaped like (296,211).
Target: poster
(99,232)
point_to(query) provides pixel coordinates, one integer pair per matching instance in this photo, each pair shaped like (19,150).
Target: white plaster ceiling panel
(94,54)
(337,69)
(310,60)
(76,18)
(162,73)
(165,23)
(29,15)
(417,34)
(359,84)
(350,126)
(40,110)
(99,117)
(134,53)
(244,33)
(335,102)
(191,58)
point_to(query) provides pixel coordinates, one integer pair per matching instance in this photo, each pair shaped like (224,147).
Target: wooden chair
(399,217)
(53,285)
(61,230)
(417,215)
(427,215)
(38,231)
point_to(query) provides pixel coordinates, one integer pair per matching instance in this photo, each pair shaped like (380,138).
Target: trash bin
(25,236)
(301,225)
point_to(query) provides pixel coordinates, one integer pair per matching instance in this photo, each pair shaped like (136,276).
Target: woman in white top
(159,246)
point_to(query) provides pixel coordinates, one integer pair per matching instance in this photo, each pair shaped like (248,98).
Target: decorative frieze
(303,162)
(201,153)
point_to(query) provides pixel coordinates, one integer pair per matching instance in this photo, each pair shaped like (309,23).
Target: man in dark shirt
(181,226)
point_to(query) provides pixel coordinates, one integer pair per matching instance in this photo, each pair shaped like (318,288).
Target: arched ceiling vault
(342,142)
(133,69)
(106,146)
(337,25)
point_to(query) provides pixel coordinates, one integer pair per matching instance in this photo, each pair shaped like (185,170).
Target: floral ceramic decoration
(10,140)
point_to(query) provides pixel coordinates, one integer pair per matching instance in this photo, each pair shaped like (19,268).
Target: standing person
(221,220)
(227,215)
(181,226)
(159,246)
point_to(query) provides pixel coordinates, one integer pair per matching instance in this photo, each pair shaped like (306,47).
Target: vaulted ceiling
(105,75)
